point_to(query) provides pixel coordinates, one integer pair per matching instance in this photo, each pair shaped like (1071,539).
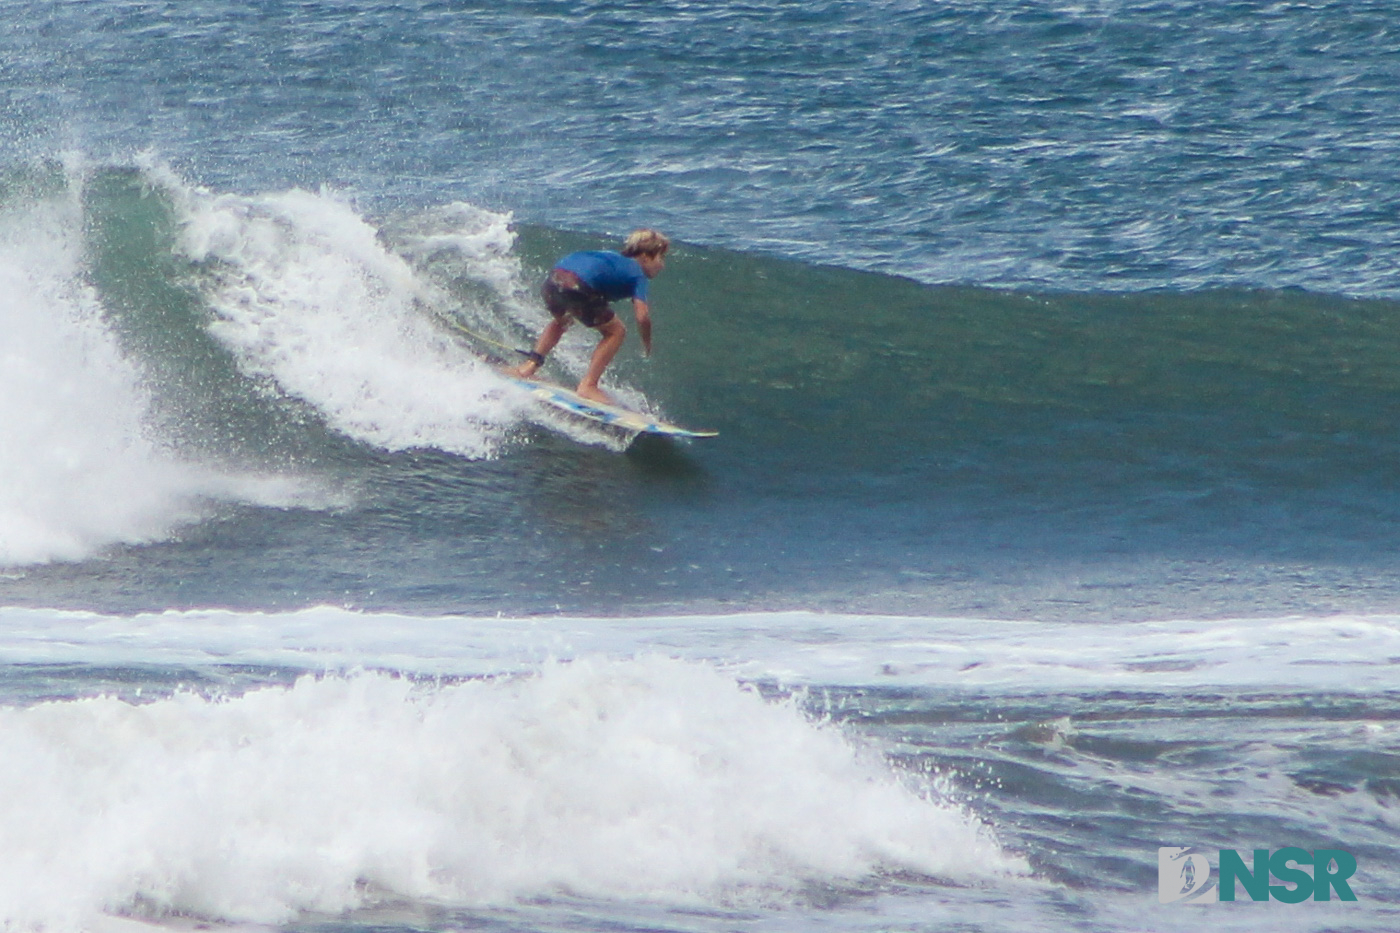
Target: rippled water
(1078,145)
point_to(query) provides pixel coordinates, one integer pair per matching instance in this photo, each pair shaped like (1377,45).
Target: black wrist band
(537,358)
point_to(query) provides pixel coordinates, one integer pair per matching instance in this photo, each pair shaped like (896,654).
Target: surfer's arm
(643,315)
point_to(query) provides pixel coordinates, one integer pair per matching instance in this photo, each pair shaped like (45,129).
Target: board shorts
(565,293)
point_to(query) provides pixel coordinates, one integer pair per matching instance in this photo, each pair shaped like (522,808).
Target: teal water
(1051,519)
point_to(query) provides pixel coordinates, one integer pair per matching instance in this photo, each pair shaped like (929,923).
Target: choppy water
(1052,517)
(1081,145)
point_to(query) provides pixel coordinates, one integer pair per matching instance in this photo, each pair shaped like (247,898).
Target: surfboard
(565,400)
(614,415)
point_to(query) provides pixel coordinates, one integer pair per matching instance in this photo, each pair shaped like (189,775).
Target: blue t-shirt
(614,275)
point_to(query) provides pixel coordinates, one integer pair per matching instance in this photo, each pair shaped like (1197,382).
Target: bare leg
(613,333)
(549,338)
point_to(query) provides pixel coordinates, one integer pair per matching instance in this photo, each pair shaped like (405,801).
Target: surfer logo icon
(1183,874)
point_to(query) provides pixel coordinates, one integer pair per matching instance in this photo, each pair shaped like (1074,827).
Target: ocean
(1053,519)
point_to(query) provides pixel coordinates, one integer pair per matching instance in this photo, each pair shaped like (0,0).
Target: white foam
(641,779)
(1343,653)
(77,470)
(307,296)
(640,768)
(79,467)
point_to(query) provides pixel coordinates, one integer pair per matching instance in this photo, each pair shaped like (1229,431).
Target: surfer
(581,286)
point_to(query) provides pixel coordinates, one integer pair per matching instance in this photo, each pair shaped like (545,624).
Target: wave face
(146,381)
(926,442)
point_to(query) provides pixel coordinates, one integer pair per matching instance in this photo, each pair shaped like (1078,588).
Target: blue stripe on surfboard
(614,415)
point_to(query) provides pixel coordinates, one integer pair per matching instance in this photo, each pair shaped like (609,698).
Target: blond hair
(646,242)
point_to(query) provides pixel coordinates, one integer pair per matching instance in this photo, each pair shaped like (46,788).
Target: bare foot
(594,394)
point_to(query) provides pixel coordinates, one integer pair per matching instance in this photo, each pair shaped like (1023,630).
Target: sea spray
(307,296)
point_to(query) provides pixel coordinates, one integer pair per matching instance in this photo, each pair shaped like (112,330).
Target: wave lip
(78,467)
(86,463)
